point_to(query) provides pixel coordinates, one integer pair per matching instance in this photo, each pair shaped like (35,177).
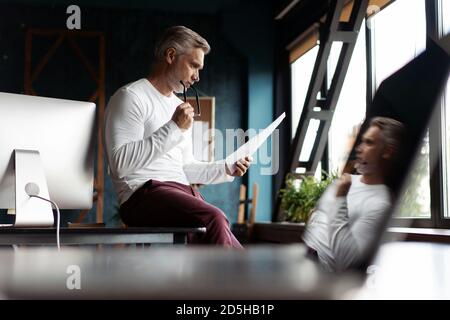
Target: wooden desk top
(85,230)
(259,272)
(404,270)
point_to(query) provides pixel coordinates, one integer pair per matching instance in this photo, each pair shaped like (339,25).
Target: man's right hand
(343,185)
(184,116)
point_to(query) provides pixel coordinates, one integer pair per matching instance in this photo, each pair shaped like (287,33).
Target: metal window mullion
(370,64)
(435,132)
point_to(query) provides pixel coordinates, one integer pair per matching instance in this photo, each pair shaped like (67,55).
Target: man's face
(186,68)
(369,153)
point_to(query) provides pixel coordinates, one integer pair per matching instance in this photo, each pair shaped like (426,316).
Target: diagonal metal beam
(317,78)
(357,15)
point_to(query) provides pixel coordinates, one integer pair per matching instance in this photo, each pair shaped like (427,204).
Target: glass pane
(333,59)
(301,71)
(398,36)
(351,106)
(311,134)
(445,7)
(416,201)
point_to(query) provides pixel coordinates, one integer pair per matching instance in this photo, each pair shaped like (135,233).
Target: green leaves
(301,194)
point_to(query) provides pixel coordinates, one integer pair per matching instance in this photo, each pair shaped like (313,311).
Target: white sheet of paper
(252,145)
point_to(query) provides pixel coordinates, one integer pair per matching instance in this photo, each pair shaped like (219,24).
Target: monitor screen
(62,133)
(410,95)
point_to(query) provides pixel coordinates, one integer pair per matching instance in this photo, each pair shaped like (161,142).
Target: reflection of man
(352,211)
(148,136)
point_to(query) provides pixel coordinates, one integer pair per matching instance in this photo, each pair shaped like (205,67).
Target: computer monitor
(411,96)
(46,144)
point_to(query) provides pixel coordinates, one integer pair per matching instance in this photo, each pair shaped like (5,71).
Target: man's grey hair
(182,39)
(393,132)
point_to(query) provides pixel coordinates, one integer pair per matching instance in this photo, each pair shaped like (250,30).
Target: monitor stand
(29,171)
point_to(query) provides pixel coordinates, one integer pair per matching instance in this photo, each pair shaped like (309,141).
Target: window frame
(436,132)
(437,219)
(437,188)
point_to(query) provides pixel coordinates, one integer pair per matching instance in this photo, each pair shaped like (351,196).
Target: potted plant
(301,194)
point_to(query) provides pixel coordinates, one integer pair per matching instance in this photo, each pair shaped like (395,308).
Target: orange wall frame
(98,76)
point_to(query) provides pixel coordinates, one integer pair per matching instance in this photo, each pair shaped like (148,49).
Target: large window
(397,34)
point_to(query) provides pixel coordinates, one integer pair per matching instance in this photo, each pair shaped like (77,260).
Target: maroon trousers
(172,204)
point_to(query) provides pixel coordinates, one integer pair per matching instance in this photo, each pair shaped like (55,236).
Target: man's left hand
(242,166)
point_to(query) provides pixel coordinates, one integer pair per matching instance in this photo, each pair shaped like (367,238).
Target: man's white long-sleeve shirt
(143,143)
(343,229)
